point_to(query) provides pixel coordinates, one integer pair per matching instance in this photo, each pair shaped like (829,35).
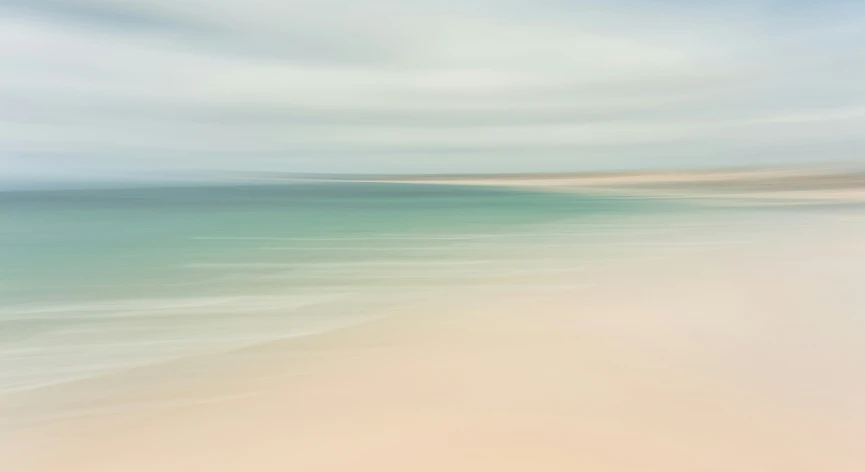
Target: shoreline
(735,358)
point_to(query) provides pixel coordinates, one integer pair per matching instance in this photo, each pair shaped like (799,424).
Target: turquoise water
(98,281)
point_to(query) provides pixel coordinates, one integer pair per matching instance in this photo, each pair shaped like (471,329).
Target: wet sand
(742,359)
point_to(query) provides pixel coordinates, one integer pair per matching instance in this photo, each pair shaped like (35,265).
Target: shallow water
(96,281)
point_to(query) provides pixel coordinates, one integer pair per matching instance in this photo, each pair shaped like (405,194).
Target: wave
(505,235)
(328,265)
(353,238)
(65,352)
(165,306)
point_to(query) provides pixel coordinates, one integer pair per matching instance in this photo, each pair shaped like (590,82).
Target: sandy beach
(745,186)
(432,236)
(744,358)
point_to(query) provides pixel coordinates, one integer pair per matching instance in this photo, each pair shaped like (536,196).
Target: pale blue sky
(122,87)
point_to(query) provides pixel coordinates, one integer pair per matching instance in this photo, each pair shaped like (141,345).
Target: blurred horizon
(144,179)
(414,235)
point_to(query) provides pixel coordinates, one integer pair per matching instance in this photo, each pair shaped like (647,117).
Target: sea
(98,282)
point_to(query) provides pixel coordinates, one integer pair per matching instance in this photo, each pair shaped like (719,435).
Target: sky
(132,87)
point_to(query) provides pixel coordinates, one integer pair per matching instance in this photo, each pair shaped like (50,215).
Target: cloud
(415,85)
(95,14)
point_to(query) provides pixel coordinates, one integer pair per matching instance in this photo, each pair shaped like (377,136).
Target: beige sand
(745,360)
(778,186)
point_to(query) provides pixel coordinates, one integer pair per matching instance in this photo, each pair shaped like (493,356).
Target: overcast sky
(104,87)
